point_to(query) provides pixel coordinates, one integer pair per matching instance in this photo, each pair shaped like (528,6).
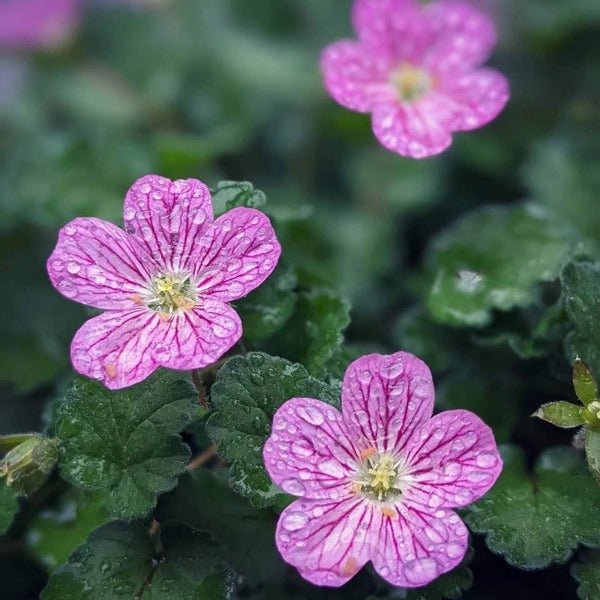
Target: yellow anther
(350,566)
(111,369)
(411,82)
(356,488)
(367,453)
(389,512)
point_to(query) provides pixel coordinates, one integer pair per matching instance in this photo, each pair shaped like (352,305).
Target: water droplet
(454,550)
(332,467)
(318,511)
(360,417)
(257,378)
(66,288)
(392,370)
(310,415)
(294,520)
(162,352)
(421,570)
(433,535)
(58,265)
(70,229)
(145,188)
(486,460)
(435,501)
(364,376)
(293,486)
(303,448)
(129,213)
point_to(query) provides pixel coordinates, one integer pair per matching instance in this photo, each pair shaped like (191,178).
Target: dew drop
(310,415)
(332,467)
(162,352)
(303,448)
(454,550)
(360,417)
(486,460)
(318,511)
(293,486)
(294,520)
(421,570)
(66,288)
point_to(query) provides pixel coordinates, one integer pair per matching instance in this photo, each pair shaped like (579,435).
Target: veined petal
(95,263)
(328,541)
(462,37)
(308,453)
(415,547)
(469,100)
(454,460)
(116,346)
(168,218)
(355,77)
(238,255)
(385,399)
(410,130)
(199,337)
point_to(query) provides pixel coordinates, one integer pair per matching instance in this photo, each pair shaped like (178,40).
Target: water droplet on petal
(294,520)
(486,460)
(303,448)
(332,467)
(360,417)
(454,550)
(293,486)
(421,570)
(310,415)
(66,288)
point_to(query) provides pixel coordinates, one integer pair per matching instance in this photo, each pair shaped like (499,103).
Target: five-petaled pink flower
(379,479)
(417,70)
(165,281)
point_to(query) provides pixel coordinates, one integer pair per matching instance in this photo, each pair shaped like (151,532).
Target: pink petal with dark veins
(95,263)
(385,399)
(169,219)
(237,255)
(308,452)
(454,460)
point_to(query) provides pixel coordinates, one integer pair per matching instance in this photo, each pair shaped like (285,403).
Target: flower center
(378,478)
(410,82)
(170,292)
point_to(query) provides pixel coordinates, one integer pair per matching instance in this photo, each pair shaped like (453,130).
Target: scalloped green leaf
(592,451)
(9,506)
(245,396)
(204,502)
(586,571)
(539,518)
(54,533)
(492,259)
(561,413)
(126,443)
(581,289)
(231,194)
(267,309)
(120,560)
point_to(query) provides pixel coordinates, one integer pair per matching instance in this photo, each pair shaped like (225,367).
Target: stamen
(411,82)
(350,566)
(171,292)
(111,369)
(389,512)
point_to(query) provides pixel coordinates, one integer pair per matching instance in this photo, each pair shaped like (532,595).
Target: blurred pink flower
(164,282)
(417,70)
(378,480)
(37,23)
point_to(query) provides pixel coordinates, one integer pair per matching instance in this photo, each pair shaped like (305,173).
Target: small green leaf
(534,520)
(203,502)
(247,393)
(8,506)
(581,290)
(266,310)
(493,259)
(586,571)
(584,383)
(231,194)
(126,443)
(53,534)
(562,414)
(119,561)
(592,451)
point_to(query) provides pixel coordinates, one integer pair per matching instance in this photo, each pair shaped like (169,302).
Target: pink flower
(37,23)
(416,69)
(379,479)
(165,281)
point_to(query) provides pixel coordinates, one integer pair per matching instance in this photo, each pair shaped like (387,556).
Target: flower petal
(454,460)
(355,77)
(198,337)
(168,218)
(462,37)
(468,101)
(410,130)
(386,398)
(415,547)
(96,264)
(238,256)
(308,453)
(116,346)
(327,541)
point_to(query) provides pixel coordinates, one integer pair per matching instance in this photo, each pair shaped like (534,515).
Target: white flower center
(170,292)
(410,82)
(380,476)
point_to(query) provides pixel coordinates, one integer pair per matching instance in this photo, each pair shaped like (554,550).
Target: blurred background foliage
(230,90)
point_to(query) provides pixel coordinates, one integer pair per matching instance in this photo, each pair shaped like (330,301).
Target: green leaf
(592,451)
(562,414)
(266,310)
(54,533)
(119,560)
(8,506)
(539,518)
(246,394)
(586,571)
(126,442)
(493,259)
(584,383)
(203,502)
(231,194)
(581,289)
